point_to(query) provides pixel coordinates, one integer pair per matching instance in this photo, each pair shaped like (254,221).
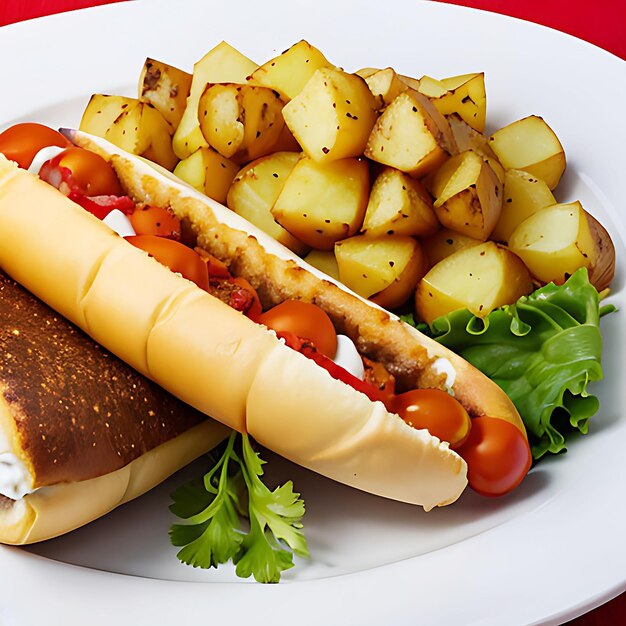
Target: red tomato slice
(22,142)
(435,410)
(497,455)
(152,220)
(305,320)
(252,305)
(101,206)
(178,257)
(82,171)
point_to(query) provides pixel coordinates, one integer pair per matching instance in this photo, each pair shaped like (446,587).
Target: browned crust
(79,411)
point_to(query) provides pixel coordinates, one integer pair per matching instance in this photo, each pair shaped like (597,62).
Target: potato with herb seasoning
(331,118)
(444,243)
(479,278)
(410,135)
(134,126)
(322,203)
(221,64)
(468,195)
(524,194)
(384,84)
(290,71)
(399,205)
(166,88)
(383,269)
(554,242)
(531,145)
(241,122)
(209,172)
(255,190)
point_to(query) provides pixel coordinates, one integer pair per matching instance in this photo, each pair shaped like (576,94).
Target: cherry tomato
(437,411)
(305,320)
(22,142)
(254,309)
(497,456)
(90,173)
(153,220)
(178,257)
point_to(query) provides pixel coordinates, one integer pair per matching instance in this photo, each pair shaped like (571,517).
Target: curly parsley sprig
(215,507)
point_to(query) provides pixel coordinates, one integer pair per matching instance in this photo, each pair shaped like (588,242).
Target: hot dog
(80,431)
(223,363)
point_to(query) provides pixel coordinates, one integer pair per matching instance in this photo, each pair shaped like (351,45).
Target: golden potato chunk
(385,85)
(134,126)
(166,88)
(385,269)
(209,172)
(221,64)
(290,71)
(399,205)
(324,261)
(101,111)
(468,195)
(444,243)
(555,242)
(241,122)
(530,145)
(408,137)
(332,116)
(479,278)
(603,270)
(524,194)
(322,203)
(464,95)
(255,190)
(469,139)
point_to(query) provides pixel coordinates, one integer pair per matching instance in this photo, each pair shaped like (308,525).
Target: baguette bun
(219,361)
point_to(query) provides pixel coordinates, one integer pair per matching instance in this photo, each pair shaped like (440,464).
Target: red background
(601,22)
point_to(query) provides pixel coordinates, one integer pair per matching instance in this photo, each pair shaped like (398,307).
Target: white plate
(551,551)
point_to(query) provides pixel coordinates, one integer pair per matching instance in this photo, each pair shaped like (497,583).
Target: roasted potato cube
(322,203)
(324,261)
(385,85)
(524,194)
(444,243)
(408,137)
(158,135)
(255,190)
(468,195)
(530,145)
(209,172)
(101,111)
(555,242)
(166,88)
(399,205)
(222,64)
(479,278)
(431,87)
(139,129)
(385,269)
(241,122)
(466,96)
(467,138)
(332,116)
(290,71)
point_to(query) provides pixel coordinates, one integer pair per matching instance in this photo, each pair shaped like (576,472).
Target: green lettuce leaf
(543,351)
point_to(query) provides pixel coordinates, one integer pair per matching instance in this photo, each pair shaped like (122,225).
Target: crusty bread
(57,509)
(89,432)
(219,361)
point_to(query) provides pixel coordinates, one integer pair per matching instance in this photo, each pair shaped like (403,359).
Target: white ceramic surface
(552,550)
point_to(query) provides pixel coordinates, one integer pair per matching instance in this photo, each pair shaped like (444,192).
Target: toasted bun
(57,509)
(214,358)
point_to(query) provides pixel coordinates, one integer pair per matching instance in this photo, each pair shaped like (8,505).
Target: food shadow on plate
(347,530)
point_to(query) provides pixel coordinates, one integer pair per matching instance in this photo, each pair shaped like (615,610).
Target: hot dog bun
(80,431)
(221,362)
